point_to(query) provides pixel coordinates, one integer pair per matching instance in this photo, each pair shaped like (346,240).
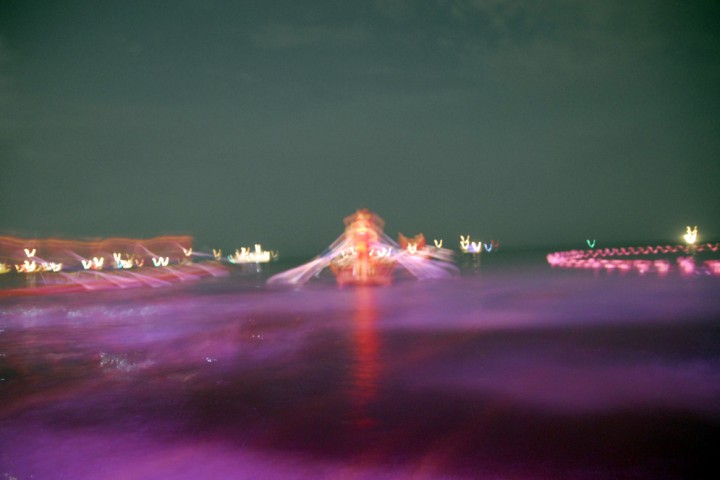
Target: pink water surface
(524,373)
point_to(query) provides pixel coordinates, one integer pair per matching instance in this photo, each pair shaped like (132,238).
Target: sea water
(509,370)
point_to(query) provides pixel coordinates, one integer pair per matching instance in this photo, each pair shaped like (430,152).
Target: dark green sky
(533,122)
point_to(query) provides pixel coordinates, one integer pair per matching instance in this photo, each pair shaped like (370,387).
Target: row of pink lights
(595,259)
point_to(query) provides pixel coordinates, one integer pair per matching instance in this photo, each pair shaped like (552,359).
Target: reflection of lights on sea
(366,364)
(686,265)
(620,259)
(713,266)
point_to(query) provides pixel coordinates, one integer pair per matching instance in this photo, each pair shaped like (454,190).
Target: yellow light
(30,253)
(464,243)
(27,267)
(438,243)
(691,235)
(187,252)
(217,253)
(4,268)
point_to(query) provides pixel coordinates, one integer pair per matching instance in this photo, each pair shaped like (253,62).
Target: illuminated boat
(367,261)
(364,255)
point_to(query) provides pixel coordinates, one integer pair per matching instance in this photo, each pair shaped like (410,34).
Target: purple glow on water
(519,373)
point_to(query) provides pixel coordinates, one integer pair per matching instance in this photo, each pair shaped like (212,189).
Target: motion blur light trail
(72,252)
(647,259)
(101,264)
(365,255)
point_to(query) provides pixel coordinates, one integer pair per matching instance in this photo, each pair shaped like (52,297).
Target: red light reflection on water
(366,363)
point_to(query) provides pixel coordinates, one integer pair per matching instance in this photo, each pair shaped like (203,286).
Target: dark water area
(511,370)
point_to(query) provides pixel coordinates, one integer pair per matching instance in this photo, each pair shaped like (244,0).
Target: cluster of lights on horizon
(88,274)
(382,253)
(74,254)
(610,259)
(467,246)
(244,255)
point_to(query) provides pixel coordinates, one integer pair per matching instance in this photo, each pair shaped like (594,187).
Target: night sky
(534,123)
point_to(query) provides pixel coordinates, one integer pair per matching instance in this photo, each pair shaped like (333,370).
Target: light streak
(87,258)
(591,244)
(365,255)
(690,235)
(620,258)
